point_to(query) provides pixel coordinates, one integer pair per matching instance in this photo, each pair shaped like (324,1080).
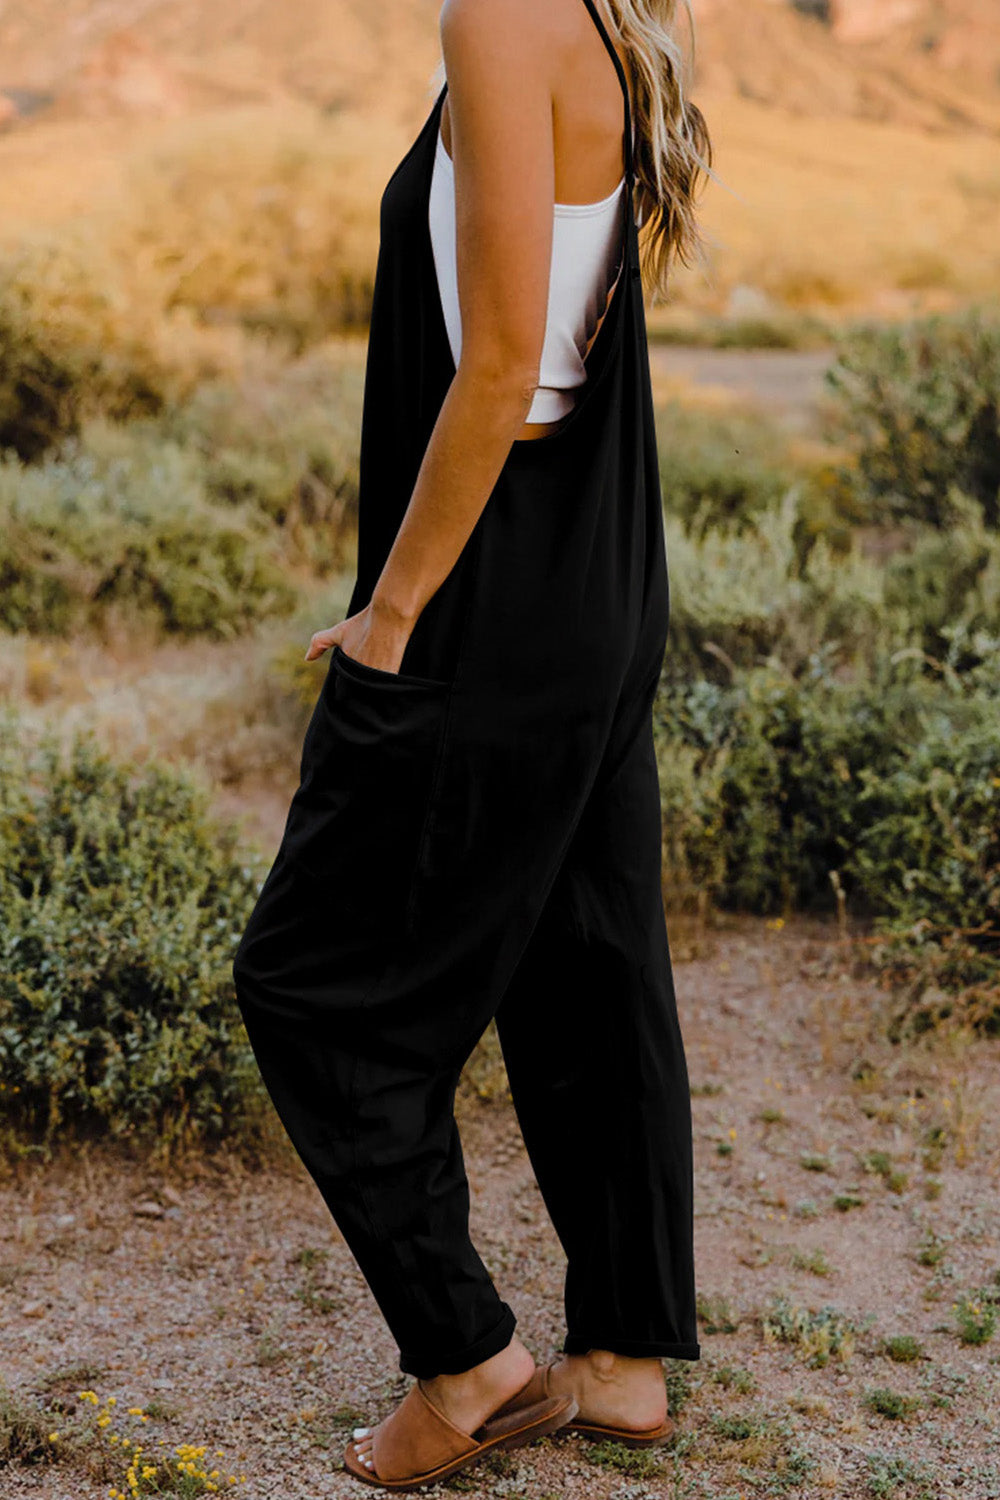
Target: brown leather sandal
(537,1389)
(418,1445)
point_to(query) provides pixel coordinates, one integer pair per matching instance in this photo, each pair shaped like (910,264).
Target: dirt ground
(222,1300)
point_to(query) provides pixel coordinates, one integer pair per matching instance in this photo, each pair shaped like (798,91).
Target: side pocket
(368,764)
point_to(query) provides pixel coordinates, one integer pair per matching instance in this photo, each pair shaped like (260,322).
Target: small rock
(33,1310)
(148,1210)
(171,1195)
(65,1221)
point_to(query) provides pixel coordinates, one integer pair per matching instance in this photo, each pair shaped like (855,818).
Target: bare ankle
(602,1363)
(497,1369)
(606,1365)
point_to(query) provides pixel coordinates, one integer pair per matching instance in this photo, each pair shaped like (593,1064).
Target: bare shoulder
(510,30)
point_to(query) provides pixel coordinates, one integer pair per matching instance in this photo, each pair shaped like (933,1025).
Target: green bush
(68,349)
(946,579)
(891,781)
(287,445)
(121,904)
(920,403)
(719,470)
(779,764)
(124,523)
(739,598)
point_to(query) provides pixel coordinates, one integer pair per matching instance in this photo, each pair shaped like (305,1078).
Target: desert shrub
(694,855)
(817,1336)
(739,598)
(266,222)
(892,781)
(929,826)
(945,579)
(779,773)
(719,469)
(82,335)
(124,523)
(286,442)
(64,352)
(228,234)
(121,903)
(920,402)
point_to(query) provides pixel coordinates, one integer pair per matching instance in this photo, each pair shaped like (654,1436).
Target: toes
(363,1446)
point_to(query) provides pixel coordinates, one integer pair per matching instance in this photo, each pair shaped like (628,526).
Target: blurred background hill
(858,141)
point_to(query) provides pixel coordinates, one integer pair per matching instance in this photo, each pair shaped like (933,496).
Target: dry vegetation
(851,177)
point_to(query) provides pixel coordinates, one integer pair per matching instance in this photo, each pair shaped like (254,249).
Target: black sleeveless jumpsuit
(479,835)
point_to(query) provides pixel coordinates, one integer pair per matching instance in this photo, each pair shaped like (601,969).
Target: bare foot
(612,1389)
(468,1399)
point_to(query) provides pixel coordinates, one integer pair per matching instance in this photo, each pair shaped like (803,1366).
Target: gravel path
(221,1298)
(787,384)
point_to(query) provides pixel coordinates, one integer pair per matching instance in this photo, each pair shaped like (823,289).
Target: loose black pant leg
(360,1028)
(370,1113)
(594,1054)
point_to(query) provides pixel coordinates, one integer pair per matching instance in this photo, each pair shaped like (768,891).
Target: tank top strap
(628,144)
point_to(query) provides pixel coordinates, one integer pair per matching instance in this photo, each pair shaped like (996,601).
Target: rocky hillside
(929,63)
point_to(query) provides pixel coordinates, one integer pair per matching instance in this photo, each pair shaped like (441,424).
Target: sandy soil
(230,1303)
(786,384)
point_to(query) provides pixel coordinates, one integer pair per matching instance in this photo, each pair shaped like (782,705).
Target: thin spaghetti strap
(624,84)
(630,241)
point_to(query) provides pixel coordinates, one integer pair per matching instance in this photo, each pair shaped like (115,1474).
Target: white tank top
(586,252)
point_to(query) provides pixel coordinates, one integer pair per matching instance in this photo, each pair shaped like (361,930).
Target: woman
(476,831)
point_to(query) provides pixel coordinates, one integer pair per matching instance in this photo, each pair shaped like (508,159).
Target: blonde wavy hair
(673,151)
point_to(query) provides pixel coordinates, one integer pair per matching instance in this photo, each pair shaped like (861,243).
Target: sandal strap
(417,1438)
(536,1389)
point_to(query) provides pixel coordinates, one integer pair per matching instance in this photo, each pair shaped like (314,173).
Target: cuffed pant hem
(425,1365)
(579,1343)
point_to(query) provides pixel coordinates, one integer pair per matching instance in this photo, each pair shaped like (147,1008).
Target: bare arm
(500,101)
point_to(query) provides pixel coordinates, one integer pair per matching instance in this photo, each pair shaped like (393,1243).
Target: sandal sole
(654,1437)
(543,1426)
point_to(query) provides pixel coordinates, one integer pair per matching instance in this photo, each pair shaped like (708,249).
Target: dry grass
(265,214)
(235,713)
(848,214)
(257,217)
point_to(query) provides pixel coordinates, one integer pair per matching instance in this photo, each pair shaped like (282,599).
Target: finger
(321,641)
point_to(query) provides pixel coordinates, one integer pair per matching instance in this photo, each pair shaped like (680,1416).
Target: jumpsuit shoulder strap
(602,30)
